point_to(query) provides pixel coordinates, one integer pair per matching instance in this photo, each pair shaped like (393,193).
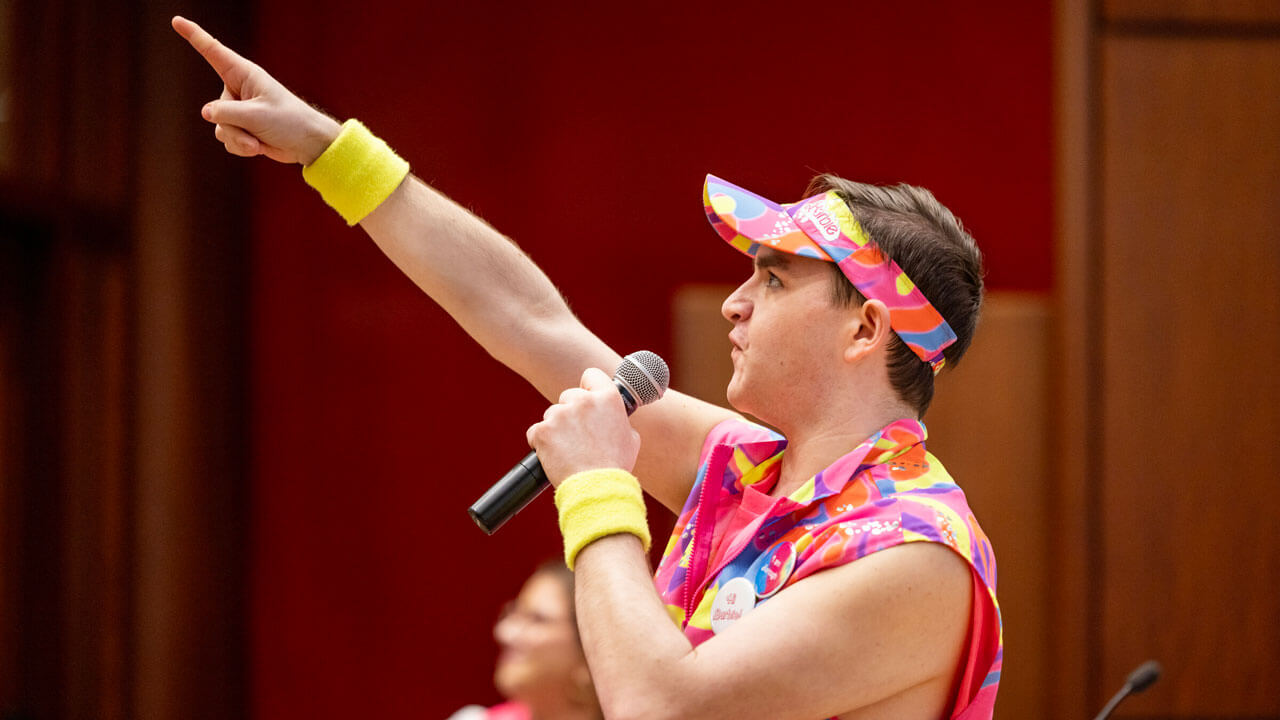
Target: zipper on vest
(700,555)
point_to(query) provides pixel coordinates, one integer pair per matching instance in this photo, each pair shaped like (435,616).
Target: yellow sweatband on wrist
(596,503)
(356,172)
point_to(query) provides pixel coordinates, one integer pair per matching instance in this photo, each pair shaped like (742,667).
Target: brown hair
(928,242)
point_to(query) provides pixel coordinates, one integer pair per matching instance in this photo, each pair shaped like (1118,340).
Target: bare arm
(879,637)
(883,635)
(481,278)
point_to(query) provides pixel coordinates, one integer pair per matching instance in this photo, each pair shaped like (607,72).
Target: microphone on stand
(641,378)
(1140,679)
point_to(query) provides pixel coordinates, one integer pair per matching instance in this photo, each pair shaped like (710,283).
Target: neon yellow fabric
(596,503)
(356,172)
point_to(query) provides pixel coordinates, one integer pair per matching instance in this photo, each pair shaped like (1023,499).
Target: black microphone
(1140,679)
(641,378)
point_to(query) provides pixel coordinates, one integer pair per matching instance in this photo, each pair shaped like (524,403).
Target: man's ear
(869,329)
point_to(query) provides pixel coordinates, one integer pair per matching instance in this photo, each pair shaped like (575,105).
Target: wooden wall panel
(1072,691)
(701,366)
(6,86)
(123,318)
(190,531)
(1190,283)
(989,425)
(103,39)
(92,572)
(63,471)
(1234,12)
(12,427)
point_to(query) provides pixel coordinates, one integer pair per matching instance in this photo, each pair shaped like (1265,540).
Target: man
(830,570)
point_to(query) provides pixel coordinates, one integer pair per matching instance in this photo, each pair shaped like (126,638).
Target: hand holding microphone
(641,378)
(585,430)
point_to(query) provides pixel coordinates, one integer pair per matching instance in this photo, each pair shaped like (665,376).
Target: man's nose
(737,306)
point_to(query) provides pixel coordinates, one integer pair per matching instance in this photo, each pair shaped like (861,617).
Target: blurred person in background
(541,670)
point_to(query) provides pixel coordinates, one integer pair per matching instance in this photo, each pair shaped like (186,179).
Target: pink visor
(822,227)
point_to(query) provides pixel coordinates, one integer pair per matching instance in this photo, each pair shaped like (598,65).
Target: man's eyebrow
(779,260)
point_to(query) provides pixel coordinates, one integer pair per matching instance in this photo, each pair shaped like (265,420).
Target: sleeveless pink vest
(887,491)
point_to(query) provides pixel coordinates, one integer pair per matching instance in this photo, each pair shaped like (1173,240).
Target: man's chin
(737,399)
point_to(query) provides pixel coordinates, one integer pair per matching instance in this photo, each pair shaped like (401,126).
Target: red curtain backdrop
(585,136)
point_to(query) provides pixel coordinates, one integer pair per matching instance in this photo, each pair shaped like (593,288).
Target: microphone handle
(510,495)
(523,483)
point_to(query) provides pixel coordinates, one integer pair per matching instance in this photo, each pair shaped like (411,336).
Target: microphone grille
(646,374)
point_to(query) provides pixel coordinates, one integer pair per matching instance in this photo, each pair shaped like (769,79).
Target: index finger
(222,58)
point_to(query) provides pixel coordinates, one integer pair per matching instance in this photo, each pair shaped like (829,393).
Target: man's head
(896,246)
(932,247)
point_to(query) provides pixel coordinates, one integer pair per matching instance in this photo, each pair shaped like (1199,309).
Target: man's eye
(772,281)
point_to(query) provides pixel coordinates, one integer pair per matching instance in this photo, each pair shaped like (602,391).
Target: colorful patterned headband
(822,227)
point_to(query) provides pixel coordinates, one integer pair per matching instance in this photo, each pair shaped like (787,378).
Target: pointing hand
(255,114)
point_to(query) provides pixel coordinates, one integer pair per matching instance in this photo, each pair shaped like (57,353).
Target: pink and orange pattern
(886,492)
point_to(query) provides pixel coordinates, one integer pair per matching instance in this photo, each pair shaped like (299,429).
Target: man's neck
(811,450)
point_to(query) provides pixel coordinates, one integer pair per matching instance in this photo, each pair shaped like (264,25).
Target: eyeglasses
(512,610)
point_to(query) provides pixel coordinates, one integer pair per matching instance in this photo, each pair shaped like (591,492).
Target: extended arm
(481,278)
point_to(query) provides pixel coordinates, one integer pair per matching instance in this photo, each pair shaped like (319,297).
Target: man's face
(788,337)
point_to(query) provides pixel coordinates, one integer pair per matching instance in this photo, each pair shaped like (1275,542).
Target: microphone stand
(1140,679)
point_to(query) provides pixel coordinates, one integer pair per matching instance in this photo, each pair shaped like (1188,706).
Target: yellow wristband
(596,503)
(356,172)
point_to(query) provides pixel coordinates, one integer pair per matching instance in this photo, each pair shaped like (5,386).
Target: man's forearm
(635,652)
(488,285)
(478,276)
